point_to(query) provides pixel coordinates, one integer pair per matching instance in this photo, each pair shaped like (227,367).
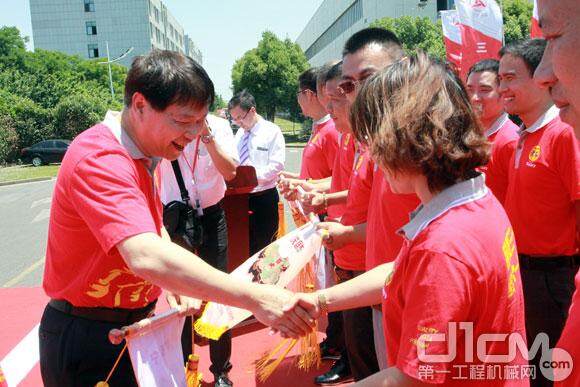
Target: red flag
(452,37)
(535,31)
(481,31)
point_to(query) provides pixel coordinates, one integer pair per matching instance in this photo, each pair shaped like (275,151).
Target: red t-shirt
(318,155)
(569,340)
(352,256)
(504,143)
(102,197)
(388,212)
(341,172)
(456,270)
(543,189)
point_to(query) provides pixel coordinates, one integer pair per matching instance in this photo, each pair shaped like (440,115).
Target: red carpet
(22,308)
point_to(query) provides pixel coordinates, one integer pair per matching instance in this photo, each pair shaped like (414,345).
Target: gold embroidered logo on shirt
(509,249)
(535,153)
(137,293)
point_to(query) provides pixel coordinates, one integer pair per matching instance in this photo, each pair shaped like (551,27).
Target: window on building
(156,11)
(89,5)
(91,27)
(152,30)
(348,18)
(158,35)
(93,50)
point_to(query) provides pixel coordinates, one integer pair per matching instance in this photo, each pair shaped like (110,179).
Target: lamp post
(108,63)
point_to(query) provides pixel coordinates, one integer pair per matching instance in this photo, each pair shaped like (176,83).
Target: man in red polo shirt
(107,252)
(542,196)
(318,154)
(560,23)
(482,87)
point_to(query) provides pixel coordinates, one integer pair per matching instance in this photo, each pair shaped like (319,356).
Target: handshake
(293,315)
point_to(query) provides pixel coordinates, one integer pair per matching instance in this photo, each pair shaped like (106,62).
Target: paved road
(24,213)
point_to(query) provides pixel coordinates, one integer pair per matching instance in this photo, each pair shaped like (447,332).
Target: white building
(83,27)
(335,21)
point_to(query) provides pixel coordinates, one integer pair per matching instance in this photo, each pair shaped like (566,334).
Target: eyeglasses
(304,91)
(349,85)
(240,119)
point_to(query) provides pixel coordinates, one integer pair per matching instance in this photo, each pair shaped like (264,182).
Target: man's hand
(288,174)
(190,305)
(279,309)
(334,235)
(313,202)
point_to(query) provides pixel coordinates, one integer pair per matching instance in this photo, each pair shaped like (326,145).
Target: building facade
(336,20)
(86,27)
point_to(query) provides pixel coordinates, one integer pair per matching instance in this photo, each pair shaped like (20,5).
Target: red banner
(535,31)
(452,37)
(481,31)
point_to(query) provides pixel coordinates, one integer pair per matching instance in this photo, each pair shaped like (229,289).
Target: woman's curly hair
(416,117)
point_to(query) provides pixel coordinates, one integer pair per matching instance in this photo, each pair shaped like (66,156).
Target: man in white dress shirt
(260,144)
(205,164)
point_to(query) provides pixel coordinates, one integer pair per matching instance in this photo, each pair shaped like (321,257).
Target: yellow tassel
(309,349)
(208,330)
(281,220)
(192,377)
(265,368)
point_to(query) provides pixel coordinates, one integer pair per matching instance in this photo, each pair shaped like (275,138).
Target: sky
(222,29)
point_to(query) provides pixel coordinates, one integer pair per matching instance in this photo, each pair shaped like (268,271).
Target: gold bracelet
(325,202)
(322,304)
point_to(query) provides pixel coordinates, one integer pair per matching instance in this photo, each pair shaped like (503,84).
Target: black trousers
(77,352)
(359,335)
(264,219)
(214,251)
(547,297)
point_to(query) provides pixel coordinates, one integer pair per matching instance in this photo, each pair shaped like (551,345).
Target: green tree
(8,139)
(75,113)
(517,15)
(416,33)
(218,103)
(270,72)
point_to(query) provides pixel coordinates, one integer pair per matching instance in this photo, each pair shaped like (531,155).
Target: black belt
(211,209)
(111,315)
(546,263)
(264,192)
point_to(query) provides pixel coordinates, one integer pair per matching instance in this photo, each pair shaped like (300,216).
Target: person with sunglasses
(260,143)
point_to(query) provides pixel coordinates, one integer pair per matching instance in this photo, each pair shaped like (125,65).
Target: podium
(236,207)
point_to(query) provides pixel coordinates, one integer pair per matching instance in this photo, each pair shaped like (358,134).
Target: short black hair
(243,99)
(323,71)
(168,77)
(491,65)
(530,50)
(334,72)
(307,80)
(381,36)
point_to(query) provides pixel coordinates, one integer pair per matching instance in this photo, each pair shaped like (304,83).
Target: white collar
(502,119)
(113,122)
(544,120)
(322,120)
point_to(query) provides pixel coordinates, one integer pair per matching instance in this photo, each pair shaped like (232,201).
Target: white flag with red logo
(452,37)
(481,31)
(156,354)
(535,31)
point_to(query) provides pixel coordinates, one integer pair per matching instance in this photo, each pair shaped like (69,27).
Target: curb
(295,145)
(14,182)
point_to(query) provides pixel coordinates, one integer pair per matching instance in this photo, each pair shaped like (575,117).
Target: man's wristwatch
(206,139)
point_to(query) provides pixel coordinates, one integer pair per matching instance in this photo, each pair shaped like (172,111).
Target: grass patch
(286,125)
(23,172)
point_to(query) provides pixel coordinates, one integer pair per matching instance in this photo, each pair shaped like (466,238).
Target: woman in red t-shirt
(456,279)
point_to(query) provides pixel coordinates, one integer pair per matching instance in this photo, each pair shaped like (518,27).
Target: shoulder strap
(180,183)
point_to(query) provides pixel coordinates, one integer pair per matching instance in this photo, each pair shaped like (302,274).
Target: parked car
(44,152)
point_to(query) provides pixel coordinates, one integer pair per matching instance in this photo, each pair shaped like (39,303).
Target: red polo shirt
(504,140)
(352,256)
(341,172)
(319,153)
(543,188)
(462,267)
(388,212)
(569,339)
(102,196)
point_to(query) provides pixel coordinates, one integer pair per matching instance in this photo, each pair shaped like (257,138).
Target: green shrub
(9,150)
